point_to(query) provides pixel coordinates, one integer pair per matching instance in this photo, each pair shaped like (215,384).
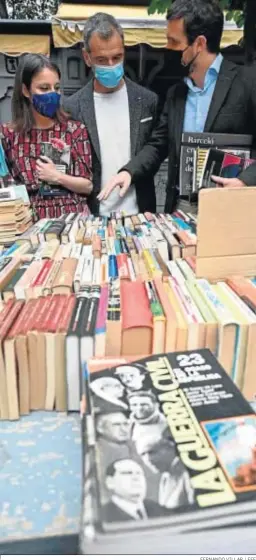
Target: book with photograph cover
(174,445)
(59,152)
(190,142)
(222,164)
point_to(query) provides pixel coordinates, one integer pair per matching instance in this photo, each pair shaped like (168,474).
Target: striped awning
(138,26)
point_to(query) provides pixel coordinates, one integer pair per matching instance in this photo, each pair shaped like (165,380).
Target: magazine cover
(173,435)
(59,152)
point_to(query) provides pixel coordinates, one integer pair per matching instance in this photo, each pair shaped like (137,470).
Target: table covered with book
(81,295)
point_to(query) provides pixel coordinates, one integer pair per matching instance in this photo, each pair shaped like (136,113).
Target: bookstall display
(146,325)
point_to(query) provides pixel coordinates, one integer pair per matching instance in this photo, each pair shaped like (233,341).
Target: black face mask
(187,66)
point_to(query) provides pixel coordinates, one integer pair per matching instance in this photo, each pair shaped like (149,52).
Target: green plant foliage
(235,9)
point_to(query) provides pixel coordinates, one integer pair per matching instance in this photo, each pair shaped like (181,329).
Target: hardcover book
(206,140)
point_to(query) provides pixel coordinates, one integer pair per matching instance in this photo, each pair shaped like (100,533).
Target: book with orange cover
(4,411)
(171,319)
(16,346)
(182,326)
(57,308)
(8,367)
(37,375)
(244,289)
(137,322)
(60,359)
(63,282)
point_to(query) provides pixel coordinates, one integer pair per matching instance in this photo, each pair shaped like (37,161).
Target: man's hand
(232,183)
(122,180)
(46,170)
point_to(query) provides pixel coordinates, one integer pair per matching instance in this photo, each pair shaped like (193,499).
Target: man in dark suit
(126,482)
(215,96)
(119,114)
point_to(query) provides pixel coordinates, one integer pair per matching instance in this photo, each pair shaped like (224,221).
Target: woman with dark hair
(44,149)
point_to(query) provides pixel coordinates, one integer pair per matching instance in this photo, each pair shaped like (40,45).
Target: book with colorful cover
(59,153)
(174,446)
(222,164)
(190,142)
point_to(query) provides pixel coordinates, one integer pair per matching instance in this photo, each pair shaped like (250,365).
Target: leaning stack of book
(78,289)
(169,457)
(15,218)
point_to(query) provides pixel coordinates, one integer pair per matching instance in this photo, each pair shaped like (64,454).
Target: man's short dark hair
(201,17)
(103,24)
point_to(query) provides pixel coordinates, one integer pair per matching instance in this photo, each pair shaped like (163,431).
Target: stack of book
(78,289)
(169,457)
(15,218)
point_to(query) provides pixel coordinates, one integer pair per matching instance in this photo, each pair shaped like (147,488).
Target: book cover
(59,152)
(186,452)
(191,141)
(222,164)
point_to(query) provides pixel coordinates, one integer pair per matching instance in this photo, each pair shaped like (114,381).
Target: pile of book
(169,458)
(77,289)
(15,218)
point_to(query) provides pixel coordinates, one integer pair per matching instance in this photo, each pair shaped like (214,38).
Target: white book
(87,271)
(76,251)
(96,272)
(78,274)
(67,250)
(87,250)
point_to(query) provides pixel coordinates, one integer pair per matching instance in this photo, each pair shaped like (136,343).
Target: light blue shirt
(199,100)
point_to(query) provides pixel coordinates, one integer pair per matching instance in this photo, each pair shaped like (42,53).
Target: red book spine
(42,315)
(135,305)
(6,310)
(67,313)
(14,312)
(41,277)
(122,265)
(23,320)
(56,313)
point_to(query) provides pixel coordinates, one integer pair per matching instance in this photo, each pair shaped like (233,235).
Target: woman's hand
(46,171)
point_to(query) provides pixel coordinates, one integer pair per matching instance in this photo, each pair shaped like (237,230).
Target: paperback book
(172,444)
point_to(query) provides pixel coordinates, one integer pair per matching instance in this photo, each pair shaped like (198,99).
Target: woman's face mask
(109,76)
(46,104)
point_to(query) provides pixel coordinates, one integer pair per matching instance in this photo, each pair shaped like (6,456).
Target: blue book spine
(112,267)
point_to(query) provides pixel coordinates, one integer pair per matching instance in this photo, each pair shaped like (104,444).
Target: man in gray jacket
(119,115)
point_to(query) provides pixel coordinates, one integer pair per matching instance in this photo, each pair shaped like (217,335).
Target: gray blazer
(143,106)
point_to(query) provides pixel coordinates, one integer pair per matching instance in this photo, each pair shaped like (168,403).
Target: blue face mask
(109,76)
(46,104)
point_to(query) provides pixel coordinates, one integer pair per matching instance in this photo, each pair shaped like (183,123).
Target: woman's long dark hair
(29,66)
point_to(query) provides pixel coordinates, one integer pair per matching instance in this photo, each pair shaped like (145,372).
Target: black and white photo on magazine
(139,470)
